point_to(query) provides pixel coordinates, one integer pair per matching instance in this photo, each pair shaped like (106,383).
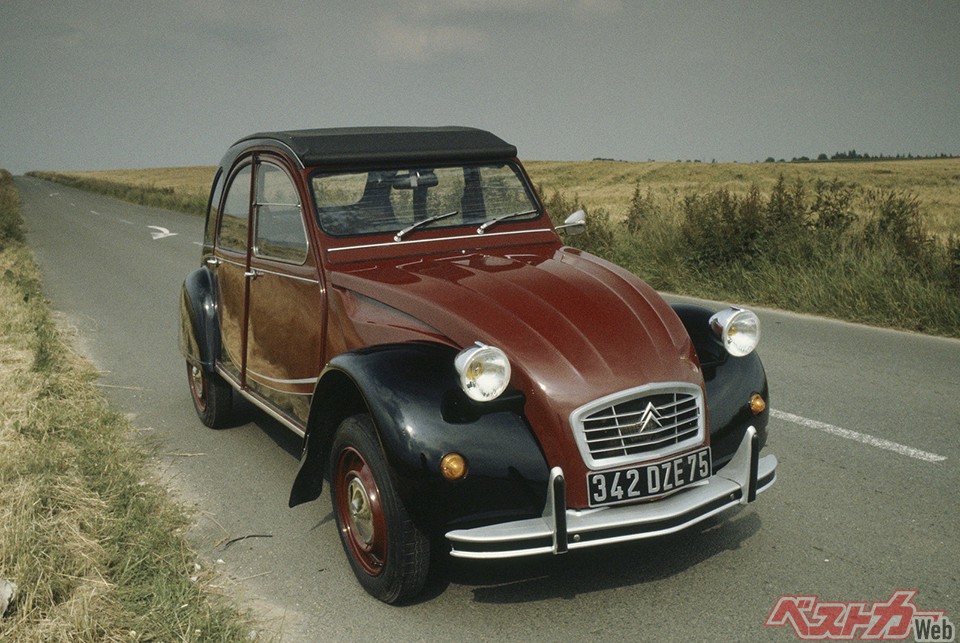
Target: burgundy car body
(343,325)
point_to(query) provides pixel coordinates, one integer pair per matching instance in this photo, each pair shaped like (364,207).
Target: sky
(117,84)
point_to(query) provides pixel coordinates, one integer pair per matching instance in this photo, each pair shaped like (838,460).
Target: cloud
(402,40)
(577,8)
(422,29)
(584,9)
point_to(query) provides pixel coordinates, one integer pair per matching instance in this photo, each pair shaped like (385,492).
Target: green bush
(642,208)
(828,248)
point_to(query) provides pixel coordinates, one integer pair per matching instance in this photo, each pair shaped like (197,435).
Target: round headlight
(484,372)
(738,330)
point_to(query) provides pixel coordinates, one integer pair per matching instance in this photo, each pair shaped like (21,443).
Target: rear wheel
(212,396)
(389,554)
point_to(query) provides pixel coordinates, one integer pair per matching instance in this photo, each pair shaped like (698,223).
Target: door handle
(252,274)
(212,261)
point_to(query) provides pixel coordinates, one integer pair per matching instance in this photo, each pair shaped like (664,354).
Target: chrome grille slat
(641,424)
(624,428)
(596,450)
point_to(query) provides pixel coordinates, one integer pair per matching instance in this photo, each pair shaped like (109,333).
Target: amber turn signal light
(757,404)
(453,466)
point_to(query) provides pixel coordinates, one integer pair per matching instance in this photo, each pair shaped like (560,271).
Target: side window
(213,209)
(279,231)
(233,222)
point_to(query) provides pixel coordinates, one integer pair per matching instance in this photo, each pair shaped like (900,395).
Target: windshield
(378,201)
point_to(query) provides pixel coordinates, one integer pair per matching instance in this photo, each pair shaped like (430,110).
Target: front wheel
(212,396)
(389,554)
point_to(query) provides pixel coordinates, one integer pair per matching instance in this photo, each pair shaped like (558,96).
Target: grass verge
(96,548)
(180,189)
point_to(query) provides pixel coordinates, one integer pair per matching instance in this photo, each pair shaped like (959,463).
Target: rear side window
(236,213)
(213,211)
(279,232)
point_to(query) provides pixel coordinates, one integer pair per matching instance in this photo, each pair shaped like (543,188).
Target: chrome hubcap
(197,386)
(361,513)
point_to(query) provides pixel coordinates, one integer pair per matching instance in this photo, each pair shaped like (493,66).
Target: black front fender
(199,324)
(730,382)
(420,414)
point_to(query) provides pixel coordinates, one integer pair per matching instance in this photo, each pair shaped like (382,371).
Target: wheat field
(610,184)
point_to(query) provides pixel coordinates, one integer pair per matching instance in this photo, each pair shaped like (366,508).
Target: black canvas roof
(363,145)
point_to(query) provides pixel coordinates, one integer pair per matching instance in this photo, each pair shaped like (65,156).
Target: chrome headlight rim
(483,372)
(738,330)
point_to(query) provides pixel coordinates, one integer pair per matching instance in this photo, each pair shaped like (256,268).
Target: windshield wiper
(493,222)
(419,224)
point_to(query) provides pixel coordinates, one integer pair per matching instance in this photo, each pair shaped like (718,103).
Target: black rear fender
(199,324)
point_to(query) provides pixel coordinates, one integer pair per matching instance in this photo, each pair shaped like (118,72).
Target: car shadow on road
(245,413)
(586,571)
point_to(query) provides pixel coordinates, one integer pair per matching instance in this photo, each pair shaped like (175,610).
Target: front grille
(641,424)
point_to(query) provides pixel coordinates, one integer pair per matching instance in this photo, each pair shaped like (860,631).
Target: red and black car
(400,299)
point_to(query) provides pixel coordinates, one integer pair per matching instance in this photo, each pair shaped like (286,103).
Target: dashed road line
(856,436)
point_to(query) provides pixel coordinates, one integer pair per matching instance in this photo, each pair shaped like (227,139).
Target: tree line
(853,155)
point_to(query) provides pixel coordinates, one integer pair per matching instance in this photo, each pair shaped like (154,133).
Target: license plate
(648,481)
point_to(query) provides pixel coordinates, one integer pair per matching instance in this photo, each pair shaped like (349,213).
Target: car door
(285,310)
(230,263)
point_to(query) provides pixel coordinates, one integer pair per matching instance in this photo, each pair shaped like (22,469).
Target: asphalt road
(866,427)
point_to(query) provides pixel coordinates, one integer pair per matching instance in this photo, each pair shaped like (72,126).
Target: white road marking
(125,221)
(161,233)
(94,212)
(863,438)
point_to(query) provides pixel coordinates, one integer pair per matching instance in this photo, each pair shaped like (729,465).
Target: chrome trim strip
(269,411)
(224,260)
(433,240)
(288,276)
(728,488)
(261,376)
(259,404)
(262,270)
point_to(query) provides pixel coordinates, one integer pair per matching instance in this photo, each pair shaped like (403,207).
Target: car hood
(575,327)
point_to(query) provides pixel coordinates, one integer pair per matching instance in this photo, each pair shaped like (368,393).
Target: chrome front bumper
(560,529)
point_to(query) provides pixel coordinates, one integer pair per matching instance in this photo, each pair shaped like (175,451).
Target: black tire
(212,396)
(389,554)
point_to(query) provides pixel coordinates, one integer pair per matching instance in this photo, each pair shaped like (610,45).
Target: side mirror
(575,224)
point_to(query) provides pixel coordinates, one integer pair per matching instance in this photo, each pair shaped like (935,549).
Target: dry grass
(193,181)
(95,548)
(610,184)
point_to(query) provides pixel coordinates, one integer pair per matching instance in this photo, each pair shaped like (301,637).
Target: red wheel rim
(360,510)
(198,386)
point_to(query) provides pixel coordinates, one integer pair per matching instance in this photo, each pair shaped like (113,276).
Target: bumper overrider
(560,529)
